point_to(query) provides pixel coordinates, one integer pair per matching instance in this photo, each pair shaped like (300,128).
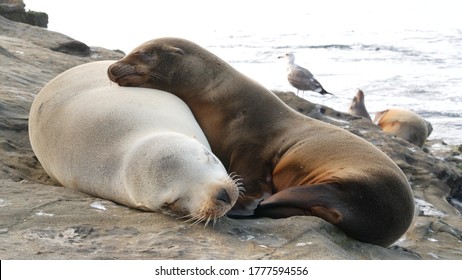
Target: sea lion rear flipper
(308,200)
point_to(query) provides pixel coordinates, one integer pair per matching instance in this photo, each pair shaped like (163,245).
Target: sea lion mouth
(122,74)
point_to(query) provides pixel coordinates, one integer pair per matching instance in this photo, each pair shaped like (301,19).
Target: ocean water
(416,69)
(400,53)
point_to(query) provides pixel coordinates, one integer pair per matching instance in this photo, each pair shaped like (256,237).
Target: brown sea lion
(358,106)
(290,164)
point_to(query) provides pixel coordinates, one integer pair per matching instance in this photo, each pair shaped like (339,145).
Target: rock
(73,47)
(28,63)
(49,222)
(39,220)
(14,10)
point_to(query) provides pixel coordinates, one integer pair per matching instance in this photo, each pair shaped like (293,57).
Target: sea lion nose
(119,70)
(222,195)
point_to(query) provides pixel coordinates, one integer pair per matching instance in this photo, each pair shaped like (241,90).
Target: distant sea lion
(358,106)
(290,164)
(138,147)
(404,124)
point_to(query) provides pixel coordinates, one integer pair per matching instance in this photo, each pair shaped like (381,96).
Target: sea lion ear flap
(172,50)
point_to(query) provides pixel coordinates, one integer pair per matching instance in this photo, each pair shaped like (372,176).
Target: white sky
(126,24)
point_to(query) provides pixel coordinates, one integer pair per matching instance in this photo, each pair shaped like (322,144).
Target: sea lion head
(170,64)
(179,175)
(358,107)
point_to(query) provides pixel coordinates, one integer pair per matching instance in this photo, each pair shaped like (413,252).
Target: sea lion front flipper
(307,200)
(244,209)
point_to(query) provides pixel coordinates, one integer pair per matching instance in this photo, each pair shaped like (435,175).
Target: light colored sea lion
(290,164)
(404,124)
(358,106)
(138,147)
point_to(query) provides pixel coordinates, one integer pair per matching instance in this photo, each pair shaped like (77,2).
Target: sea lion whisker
(235,176)
(208,220)
(192,222)
(188,217)
(238,182)
(236,179)
(241,190)
(199,220)
(194,218)
(189,220)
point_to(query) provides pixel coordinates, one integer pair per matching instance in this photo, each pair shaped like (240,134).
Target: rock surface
(39,220)
(15,10)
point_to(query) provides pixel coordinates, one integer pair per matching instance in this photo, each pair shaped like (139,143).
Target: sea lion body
(290,164)
(358,106)
(404,124)
(138,147)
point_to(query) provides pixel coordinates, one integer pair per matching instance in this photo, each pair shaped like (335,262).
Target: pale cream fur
(139,147)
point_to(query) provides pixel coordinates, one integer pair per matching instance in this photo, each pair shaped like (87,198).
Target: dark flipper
(315,200)
(361,214)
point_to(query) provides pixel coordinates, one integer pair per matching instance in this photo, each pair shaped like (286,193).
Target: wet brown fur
(290,164)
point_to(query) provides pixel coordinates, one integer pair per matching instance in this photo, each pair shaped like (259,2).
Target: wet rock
(39,220)
(28,63)
(48,222)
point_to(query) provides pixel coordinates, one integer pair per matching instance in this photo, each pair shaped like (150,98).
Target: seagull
(301,78)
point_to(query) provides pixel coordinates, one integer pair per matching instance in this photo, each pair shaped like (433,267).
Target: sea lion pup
(290,164)
(358,107)
(404,124)
(138,147)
